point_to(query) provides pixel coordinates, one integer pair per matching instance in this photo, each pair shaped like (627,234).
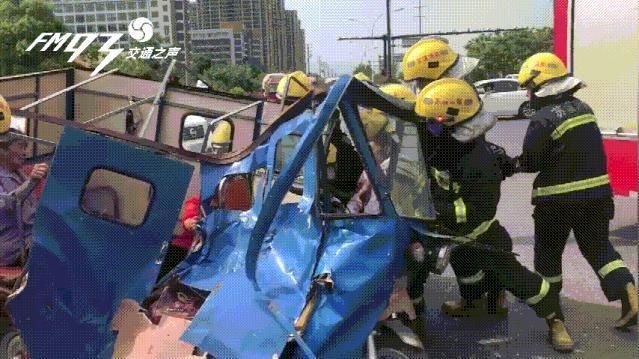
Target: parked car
(504,98)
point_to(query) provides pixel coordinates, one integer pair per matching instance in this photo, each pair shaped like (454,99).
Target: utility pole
(389,51)
(308,58)
(419,9)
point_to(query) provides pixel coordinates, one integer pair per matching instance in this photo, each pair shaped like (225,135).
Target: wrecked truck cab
(288,275)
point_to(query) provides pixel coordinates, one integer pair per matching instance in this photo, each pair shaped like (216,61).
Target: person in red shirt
(181,243)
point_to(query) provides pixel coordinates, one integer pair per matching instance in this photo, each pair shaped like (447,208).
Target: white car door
(506,98)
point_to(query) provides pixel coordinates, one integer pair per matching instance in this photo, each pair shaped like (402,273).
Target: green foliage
(236,91)
(19,26)
(230,77)
(364,68)
(503,53)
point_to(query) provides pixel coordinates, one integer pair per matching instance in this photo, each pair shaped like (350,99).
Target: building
(295,43)
(264,28)
(115,16)
(222,46)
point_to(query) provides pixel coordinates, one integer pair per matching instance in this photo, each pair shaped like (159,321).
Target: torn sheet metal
(364,257)
(237,321)
(251,314)
(80,266)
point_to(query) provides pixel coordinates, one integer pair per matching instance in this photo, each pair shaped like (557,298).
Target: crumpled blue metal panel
(363,257)
(235,320)
(80,266)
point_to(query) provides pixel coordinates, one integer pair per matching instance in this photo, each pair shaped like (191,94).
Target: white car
(193,133)
(504,98)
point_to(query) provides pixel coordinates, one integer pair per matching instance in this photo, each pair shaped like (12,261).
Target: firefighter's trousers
(589,221)
(479,270)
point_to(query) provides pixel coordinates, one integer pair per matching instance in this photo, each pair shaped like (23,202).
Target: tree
(363,68)
(19,26)
(503,53)
(229,77)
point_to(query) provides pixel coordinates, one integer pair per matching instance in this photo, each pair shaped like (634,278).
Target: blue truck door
(86,259)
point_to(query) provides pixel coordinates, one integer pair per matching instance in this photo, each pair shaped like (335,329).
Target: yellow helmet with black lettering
(541,68)
(448,101)
(428,59)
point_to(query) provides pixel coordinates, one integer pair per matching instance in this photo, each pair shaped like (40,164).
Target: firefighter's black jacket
(563,143)
(465,182)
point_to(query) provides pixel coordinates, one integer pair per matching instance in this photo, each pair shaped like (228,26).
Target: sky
(326,20)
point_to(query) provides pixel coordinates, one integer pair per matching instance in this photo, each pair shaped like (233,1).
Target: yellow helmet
(400,91)
(5,115)
(448,101)
(428,59)
(541,68)
(331,157)
(362,77)
(294,88)
(220,139)
(374,121)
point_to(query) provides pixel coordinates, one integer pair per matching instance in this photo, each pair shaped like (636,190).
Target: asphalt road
(522,335)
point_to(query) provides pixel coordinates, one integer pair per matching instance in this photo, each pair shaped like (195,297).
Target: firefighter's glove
(507,165)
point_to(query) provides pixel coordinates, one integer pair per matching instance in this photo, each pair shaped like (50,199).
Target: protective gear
(362,77)
(220,139)
(374,121)
(295,90)
(541,68)
(428,59)
(448,101)
(564,144)
(572,192)
(559,336)
(559,87)
(399,91)
(5,115)
(431,59)
(475,127)
(478,307)
(507,164)
(465,183)
(331,158)
(629,308)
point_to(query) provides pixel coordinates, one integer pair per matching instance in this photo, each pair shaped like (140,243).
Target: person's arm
(537,146)
(9,198)
(191,213)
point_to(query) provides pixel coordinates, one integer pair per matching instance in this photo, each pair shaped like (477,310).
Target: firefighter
(220,140)
(298,85)
(431,59)
(465,184)
(572,190)
(428,60)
